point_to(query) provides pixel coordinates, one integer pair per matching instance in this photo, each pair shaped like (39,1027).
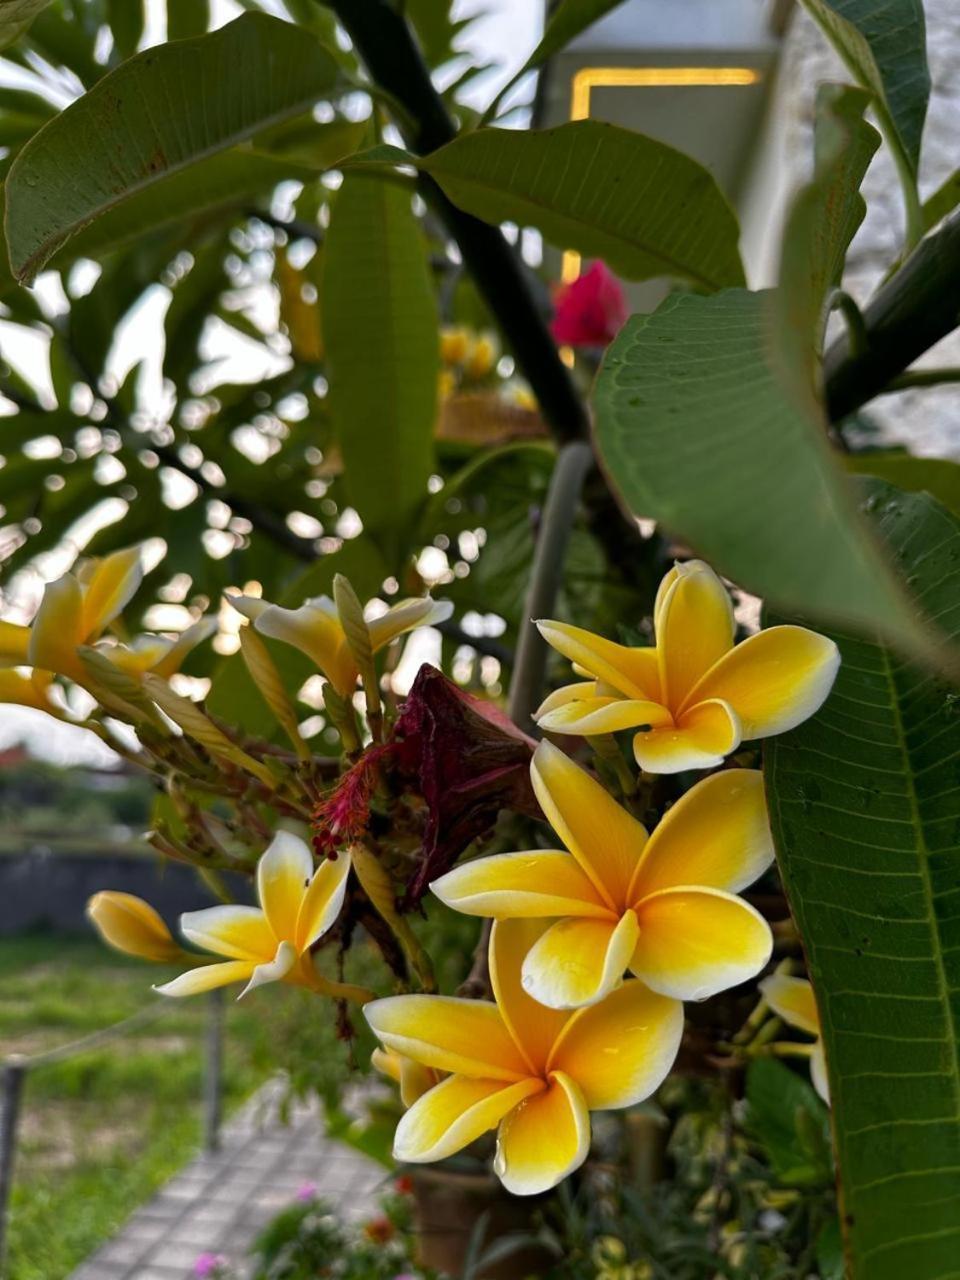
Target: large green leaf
(822,221)
(940,477)
(607,192)
(150,122)
(884,46)
(380,330)
(16,16)
(865,809)
(698,427)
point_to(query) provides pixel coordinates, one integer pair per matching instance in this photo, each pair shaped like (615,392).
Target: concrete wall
(50,890)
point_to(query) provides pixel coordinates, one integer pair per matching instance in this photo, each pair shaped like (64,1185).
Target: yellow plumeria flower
(156,654)
(77,609)
(533,1073)
(413,1078)
(270,943)
(455,344)
(315,629)
(696,695)
(131,925)
(792,999)
(663,907)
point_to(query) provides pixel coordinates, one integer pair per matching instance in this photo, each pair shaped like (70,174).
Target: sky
(503,33)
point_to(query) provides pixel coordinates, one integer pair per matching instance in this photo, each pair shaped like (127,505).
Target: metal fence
(15,1069)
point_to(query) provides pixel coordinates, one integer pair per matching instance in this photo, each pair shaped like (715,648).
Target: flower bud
(131,925)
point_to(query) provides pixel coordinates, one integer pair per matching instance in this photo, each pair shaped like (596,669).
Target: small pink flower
(208,1264)
(307,1191)
(591,310)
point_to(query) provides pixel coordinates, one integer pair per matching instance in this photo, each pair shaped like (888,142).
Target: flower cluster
(595,943)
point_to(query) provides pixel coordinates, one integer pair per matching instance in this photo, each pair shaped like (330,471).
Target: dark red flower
(468,761)
(591,310)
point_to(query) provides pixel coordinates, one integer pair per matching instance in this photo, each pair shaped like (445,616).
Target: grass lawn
(101,1131)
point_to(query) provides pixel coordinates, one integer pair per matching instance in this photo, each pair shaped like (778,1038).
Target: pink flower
(307,1191)
(208,1264)
(591,310)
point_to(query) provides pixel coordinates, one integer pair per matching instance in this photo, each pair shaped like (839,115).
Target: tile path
(219,1203)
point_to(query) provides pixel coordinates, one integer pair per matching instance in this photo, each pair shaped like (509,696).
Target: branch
(384,40)
(907,315)
(566,484)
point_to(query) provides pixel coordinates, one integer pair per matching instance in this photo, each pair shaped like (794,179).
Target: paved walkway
(219,1203)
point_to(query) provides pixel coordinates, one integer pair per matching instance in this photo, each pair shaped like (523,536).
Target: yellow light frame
(589,78)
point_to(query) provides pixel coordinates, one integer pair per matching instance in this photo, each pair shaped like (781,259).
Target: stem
(384,40)
(841,301)
(573,462)
(907,315)
(922,378)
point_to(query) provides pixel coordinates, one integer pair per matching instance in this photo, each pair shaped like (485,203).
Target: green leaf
(699,428)
(884,46)
(865,811)
(16,16)
(790,1122)
(822,222)
(943,201)
(179,104)
(939,477)
(380,329)
(567,21)
(186,18)
(607,192)
(126,22)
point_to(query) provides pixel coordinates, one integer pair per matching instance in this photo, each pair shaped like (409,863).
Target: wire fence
(15,1069)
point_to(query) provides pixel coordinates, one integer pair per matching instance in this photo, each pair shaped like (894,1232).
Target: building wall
(928,420)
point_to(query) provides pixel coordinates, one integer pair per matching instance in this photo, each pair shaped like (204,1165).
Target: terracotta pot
(448,1206)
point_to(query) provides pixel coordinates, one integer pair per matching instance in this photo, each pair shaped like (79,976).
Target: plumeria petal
(631,671)
(566,693)
(145,654)
(250,606)
(455,1113)
(316,632)
(207,977)
(792,999)
(578,962)
(621,1050)
(239,932)
(603,837)
(272,970)
(406,616)
(413,1078)
(185,643)
(717,834)
(705,735)
(534,1027)
(283,874)
(14,644)
(694,628)
(512,885)
(543,1139)
(468,1037)
(58,628)
(774,680)
(695,942)
(818,1071)
(322,901)
(603,715)
(108,587)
